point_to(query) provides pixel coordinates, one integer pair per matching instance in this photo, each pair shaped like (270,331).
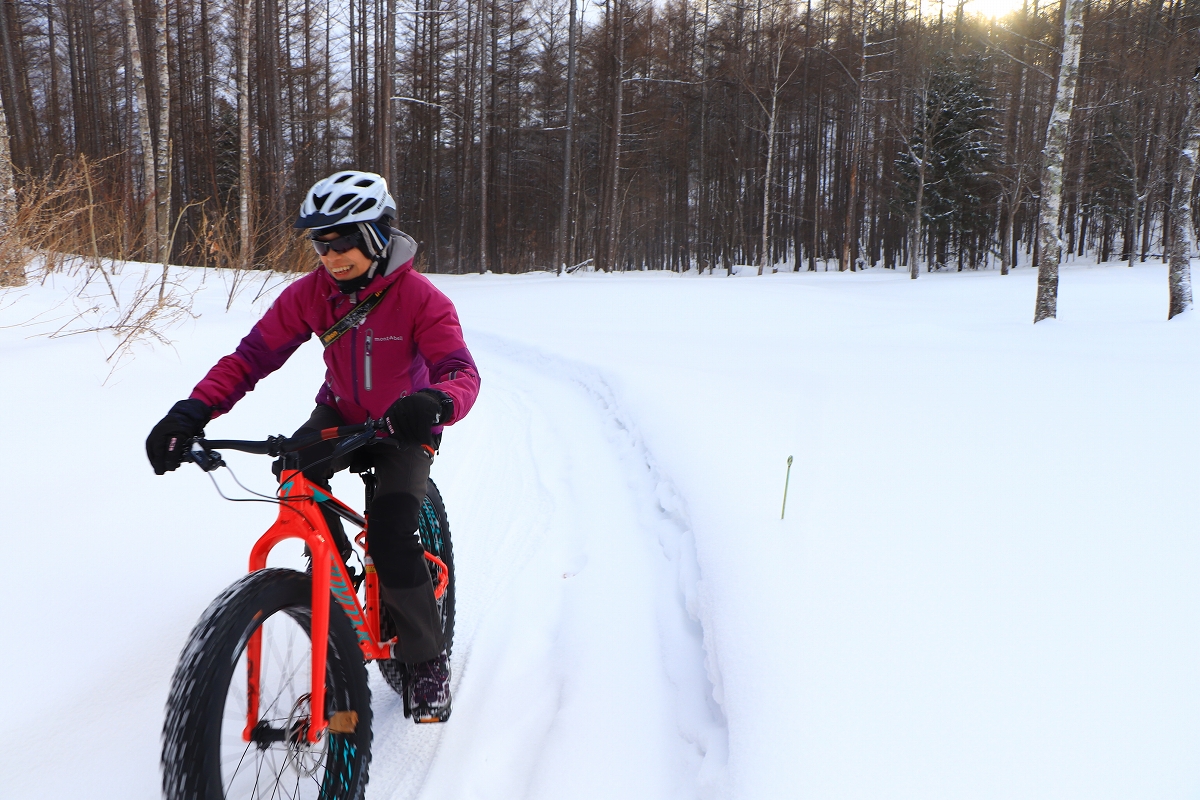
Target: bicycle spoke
(292,768)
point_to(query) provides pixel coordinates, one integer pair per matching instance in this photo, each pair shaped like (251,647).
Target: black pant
(401,474)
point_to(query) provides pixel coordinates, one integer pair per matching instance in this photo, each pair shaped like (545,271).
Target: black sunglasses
(338,245)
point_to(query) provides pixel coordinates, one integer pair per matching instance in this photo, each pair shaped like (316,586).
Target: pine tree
(948,166)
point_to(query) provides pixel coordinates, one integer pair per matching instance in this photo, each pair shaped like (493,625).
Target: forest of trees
(699,133)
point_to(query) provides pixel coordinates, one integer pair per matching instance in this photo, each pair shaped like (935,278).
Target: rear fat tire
(198,723)
(434,528)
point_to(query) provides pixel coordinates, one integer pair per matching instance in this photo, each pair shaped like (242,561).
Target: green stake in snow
(785,487)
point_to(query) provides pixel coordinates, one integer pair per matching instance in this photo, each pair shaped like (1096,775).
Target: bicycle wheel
(435,537)
(204,755)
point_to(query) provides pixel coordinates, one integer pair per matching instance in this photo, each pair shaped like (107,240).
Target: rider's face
(344,266)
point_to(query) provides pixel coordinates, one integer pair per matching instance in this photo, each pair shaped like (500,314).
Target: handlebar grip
(257,448)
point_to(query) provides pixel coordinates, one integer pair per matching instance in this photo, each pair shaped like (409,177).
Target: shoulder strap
(353,317)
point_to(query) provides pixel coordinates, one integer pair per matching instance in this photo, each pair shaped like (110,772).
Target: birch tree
(1179,275)
(142,115)
(917,145)
(12,268)
(1049,240)
(781,28)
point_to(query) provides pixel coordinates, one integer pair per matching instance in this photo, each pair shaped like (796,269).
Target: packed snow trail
(577,669)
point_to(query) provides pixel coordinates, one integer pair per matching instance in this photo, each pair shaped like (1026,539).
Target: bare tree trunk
(388,112)
(608,247)
(144,134)
(914,239)
(162,192)
(486,85)
(1015,155)
(703,229)
(922,135)
(467,81)
(1135,218)
(8,45)
(245,143)
(1008,253)
(563,217)
(12,265)
(765,254)
(1049,242)
(850,231)
(1179,275)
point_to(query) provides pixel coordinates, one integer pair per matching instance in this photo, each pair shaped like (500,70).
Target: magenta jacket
(411,341)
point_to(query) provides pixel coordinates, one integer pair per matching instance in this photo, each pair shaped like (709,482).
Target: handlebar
(203,451)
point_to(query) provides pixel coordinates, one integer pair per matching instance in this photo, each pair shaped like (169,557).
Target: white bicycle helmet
(344,198)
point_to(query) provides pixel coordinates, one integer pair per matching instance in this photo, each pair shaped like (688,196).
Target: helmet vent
(365,182)
(345,177)
(319,200)
(341,201)
(363,206)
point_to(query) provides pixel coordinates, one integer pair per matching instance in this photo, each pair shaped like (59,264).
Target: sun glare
(995,9)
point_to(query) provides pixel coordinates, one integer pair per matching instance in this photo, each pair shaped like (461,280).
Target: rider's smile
(345,266)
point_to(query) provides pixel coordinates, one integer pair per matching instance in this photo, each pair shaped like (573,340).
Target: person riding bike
(404,362)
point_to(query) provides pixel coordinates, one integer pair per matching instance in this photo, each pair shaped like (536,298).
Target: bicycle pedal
(425,716)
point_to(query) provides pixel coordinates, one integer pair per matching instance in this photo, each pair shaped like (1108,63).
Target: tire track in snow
(703,723)
(566,535)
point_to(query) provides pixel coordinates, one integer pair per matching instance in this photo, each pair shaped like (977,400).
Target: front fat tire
(196,708)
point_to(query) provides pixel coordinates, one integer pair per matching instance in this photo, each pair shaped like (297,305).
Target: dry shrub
(77,223)
(81,221)
(84,208)
(78,209)
(217,244)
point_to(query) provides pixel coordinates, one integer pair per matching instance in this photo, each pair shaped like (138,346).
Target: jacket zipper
(354,364)
(367,360)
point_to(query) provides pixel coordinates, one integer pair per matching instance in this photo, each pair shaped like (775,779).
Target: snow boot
(429,690)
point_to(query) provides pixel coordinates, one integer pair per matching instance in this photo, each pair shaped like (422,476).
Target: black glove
(411,418)
(166,444)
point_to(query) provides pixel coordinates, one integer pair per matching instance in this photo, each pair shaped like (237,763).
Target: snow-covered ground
(984,586)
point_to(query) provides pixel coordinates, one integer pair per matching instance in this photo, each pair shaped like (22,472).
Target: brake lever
(207,460)
(352,443)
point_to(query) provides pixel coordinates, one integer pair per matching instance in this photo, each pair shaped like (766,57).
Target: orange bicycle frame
(300,517)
